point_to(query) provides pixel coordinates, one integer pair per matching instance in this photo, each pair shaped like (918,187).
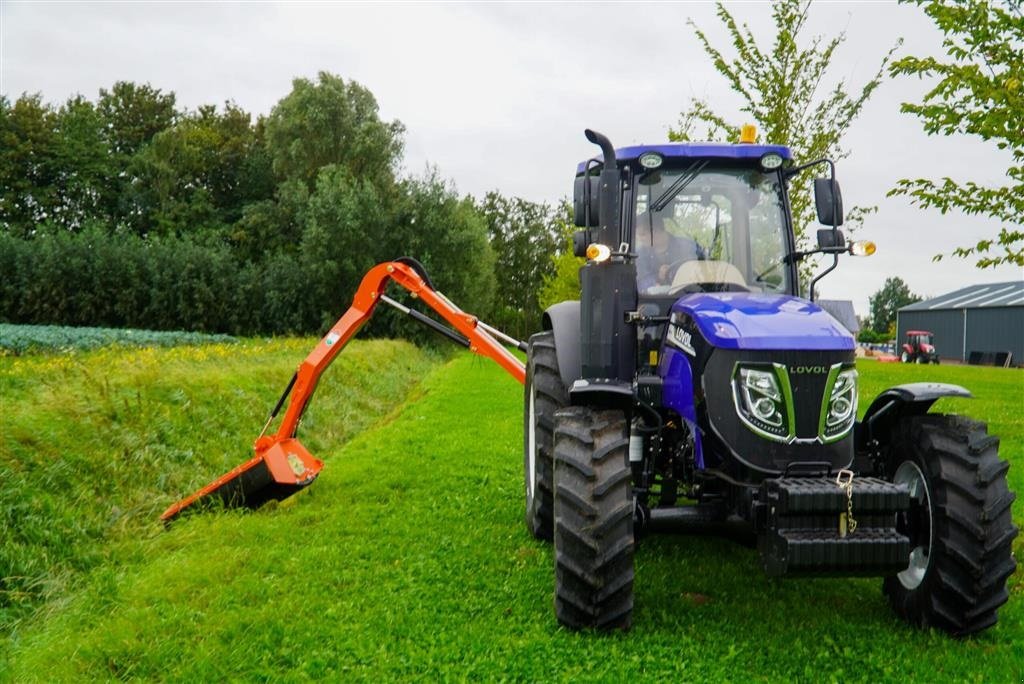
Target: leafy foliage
(563,283)
(784,92)
(980,92)
(524,237)
(129,212)
(884,304)
(331,122)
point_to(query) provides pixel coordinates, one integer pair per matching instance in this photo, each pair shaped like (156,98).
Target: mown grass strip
(409,560)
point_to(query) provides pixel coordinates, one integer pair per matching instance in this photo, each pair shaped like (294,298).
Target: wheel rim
(909,474)
(531,444)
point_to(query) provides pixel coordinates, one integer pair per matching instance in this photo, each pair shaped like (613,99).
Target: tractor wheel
(920,358)
(593,520)
(959,524)
(904,357)
(544,394)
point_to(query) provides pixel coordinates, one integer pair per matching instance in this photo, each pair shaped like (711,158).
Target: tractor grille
(807,373)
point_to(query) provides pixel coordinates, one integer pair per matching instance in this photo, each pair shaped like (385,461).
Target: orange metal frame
(289,464)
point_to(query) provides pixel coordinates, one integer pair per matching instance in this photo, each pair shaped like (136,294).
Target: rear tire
(920,358)
(544,394)
(960,525)
(904,357)
(593,520)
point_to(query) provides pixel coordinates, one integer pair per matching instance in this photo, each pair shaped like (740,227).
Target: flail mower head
(273,474)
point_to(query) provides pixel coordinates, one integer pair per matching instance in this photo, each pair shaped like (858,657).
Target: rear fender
(897,403)
(563,319)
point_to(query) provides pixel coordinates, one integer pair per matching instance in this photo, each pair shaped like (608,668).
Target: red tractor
(919,348)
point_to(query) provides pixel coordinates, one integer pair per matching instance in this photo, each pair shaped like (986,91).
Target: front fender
(564,320)
(896,403)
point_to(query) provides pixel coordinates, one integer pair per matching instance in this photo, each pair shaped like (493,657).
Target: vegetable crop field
(22,339)
(408,558)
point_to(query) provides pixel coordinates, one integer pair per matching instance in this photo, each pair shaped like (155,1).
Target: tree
(134,114)
(198,174)
(894,295)
(84,165)
(449,236)
(563,283)
(980,91)
(783,93)
(28,169)
(332,122)
(524,237)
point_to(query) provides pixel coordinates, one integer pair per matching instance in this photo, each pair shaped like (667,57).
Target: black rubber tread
(542,375)
(593,520)
(972,529)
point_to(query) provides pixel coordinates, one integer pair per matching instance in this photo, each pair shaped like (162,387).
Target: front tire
(593,520)
(543,395)
(904,357)
(959,524)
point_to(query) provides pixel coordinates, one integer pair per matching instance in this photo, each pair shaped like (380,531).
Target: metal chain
(847,523)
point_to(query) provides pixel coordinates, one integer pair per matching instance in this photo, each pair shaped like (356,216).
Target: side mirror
(584,190)
(580,240)
(829,202)
(831,240)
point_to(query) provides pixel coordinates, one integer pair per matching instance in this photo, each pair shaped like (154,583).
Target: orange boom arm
(281,465)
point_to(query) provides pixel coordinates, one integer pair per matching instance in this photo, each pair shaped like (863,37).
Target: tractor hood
(731,320)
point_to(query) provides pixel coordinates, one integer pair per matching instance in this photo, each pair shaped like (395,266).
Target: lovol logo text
(681,339)
(808,370)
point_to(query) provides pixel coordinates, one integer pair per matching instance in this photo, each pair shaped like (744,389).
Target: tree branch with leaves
(979,92)
(785,93)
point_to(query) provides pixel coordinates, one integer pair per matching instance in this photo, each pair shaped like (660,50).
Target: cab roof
(696,150)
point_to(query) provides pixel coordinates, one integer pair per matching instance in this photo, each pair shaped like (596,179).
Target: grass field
(408,559)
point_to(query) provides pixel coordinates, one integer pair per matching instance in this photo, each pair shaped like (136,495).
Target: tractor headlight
(840,410)
(763,400)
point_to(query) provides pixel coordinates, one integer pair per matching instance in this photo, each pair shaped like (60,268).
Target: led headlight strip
(764,402)
(839,410)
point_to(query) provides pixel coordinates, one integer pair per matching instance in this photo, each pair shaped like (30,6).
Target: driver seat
(695,272)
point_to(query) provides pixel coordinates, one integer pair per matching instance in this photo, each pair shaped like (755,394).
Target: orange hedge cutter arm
(281,465)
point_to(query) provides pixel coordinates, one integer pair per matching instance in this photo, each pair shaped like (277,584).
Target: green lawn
(408,559)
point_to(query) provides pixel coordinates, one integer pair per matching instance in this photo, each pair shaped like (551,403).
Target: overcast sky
(497,95)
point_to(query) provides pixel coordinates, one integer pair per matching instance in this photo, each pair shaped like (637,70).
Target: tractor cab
(703,217)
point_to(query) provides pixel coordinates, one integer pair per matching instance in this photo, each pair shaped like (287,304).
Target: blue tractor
(692,385)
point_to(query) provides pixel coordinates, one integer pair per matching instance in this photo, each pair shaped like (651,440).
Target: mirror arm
(789,173)
(835,262)
(794,257)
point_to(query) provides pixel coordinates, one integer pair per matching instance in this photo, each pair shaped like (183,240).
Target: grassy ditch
(408,559)
(94,445)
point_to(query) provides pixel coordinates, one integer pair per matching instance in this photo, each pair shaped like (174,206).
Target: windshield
(707,229)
